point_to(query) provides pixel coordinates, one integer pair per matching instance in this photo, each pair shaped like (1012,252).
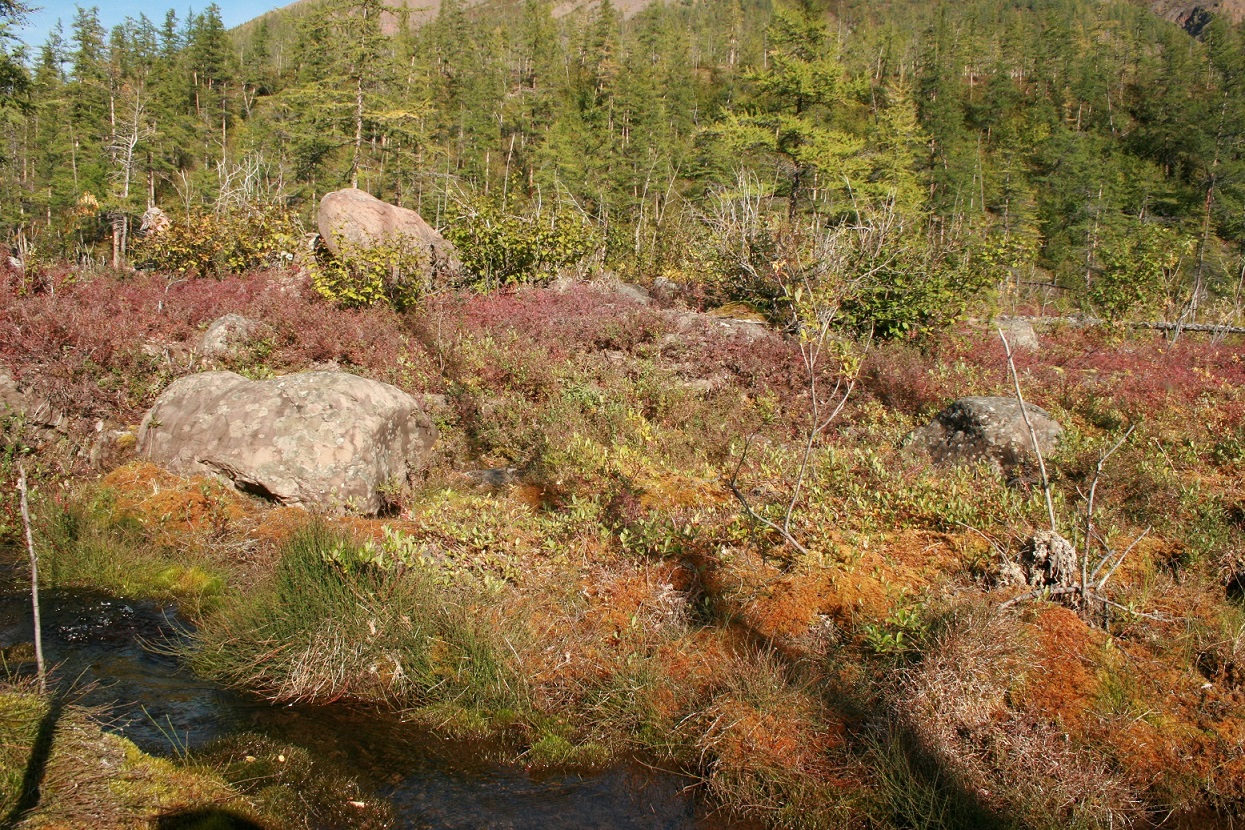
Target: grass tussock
(326,627)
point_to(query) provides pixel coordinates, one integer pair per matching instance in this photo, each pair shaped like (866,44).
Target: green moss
(553,750)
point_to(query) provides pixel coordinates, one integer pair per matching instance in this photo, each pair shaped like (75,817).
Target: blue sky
(112,12)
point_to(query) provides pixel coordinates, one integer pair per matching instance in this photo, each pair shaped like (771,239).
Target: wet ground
(110,650)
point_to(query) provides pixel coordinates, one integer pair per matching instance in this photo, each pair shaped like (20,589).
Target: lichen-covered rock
(986,429)
(1019,333)
(328,440)
(354,219)
(22,407)
(227,334)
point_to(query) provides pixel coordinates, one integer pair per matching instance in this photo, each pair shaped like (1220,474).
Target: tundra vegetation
(714,552)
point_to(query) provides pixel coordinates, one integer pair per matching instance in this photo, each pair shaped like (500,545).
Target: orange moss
(692,666)
(280,524)
(786,735)
(865,590)
(618,601)
(671,492)
(173,504)
(1062,685)
(1142,560)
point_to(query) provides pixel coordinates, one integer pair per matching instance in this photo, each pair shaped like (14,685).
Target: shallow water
(103,646)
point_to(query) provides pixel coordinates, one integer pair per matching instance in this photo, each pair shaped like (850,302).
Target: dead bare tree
(817,276)
(34,577)
(1037,450)
(1088,592)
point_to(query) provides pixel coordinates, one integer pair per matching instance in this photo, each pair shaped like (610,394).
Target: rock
(493,478)
(360,220)
(985,429)
(625,291)
(327,440)
(28,409)
(438,406)
(227,334)
(687,324)
(1019,333)
(111,447)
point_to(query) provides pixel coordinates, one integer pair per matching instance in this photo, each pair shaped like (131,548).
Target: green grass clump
(328,626)
(86,545)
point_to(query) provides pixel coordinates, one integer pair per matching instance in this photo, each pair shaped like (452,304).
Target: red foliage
(1095,372)
(104,347)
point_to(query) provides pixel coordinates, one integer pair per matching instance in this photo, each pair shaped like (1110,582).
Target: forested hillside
(1088,151)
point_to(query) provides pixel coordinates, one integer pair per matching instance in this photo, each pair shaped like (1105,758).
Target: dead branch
(1039,593)
(34,578)
(1011,366)
(1089,512)
(1102,582)
(734,487)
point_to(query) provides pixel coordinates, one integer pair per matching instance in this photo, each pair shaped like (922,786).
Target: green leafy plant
(396,271)
(502,247)
(213,245)
(902,632)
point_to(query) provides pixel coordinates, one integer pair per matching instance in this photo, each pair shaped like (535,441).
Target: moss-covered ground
(616,599)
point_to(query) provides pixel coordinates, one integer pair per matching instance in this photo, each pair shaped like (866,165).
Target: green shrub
(218,244)
(502,247)
(397,271)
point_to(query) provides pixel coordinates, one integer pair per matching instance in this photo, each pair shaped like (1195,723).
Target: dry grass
(957,702)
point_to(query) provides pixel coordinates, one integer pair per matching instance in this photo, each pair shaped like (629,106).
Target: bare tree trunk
(40,667)
(358,130)
(117,225)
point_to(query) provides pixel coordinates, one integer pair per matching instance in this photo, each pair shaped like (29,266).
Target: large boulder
(354,219)
(986,429)
(328,440)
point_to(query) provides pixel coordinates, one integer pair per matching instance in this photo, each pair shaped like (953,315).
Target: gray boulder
(1019,333)
(227,334)
(353,219)
(986,429)
(328,440)
(24,407)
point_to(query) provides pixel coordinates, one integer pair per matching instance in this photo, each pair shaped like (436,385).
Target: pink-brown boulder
(354,219)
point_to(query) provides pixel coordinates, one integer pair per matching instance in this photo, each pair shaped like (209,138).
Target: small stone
(227,334)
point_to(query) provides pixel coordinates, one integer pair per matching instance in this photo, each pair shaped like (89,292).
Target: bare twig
(1102,582)
(34,578)
(1024,411)
(734,486)
(1040,592)
(1089,513)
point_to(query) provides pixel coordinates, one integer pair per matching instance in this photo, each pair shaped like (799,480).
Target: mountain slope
(1194,16)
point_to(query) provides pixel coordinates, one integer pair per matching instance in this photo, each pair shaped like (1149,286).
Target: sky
(112,12)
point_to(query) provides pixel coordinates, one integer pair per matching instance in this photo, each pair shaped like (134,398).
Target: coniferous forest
(1089,149)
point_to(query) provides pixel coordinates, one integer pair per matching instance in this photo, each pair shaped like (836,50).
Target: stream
(96,643)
